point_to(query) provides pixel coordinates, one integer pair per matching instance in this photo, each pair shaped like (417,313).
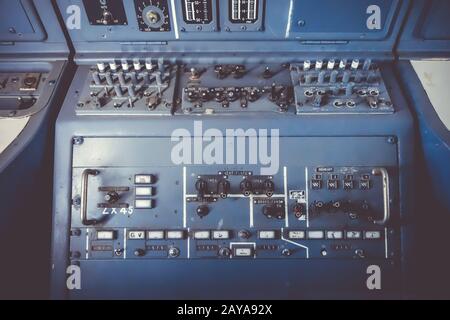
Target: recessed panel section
(243,11)
(197,15)
(105,12)
(243,15)
(341,20)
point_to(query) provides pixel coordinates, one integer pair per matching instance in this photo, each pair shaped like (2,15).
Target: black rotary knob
(224,252)
(202,211)
(139,252)
(112,197)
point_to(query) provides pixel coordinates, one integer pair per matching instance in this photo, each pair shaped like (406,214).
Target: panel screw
(77,140)
(392,140)
(76,201)
(301,23)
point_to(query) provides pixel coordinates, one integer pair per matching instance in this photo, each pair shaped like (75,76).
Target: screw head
(77,140)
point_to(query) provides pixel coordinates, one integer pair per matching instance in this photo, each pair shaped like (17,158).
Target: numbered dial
(243,11)
(152,15)
(197,11)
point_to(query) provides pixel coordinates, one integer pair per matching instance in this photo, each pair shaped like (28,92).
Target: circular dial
(152,15)
(197,11)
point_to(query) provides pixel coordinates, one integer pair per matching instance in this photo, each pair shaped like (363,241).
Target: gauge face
(105,12)
(197,11)
(152,15)
(243,11)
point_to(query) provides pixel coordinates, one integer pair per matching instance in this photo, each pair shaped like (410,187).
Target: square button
(348,184)
(144,203)
(364,184)
(333,184)
(316,184)
(144,179)
(296,234)
(353,234)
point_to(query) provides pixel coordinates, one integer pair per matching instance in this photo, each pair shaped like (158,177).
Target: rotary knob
(153,17)
(139,252)
(112,197)
(174,252)
(202,211)
(224,252)
(244,234)
(106,17)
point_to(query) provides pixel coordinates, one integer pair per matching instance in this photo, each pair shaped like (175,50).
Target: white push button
(202,235)
(221,234)
(266,234)
(175,234)
(335,235)
(144,179)
(136,235)
(143,203)
(296,234)
(105,235)
(372,235)
(153,235)
(144,191)
(243,252)
(353,234)
(315,234)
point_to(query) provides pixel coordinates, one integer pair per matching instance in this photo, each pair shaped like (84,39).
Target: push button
(106,235)
(348,184)
(333,184)
(316,184)
(144,179)
(243,251)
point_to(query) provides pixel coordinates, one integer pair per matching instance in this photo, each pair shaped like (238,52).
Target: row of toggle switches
(332,64)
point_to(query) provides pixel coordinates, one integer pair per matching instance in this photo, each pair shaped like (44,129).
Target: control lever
(386,199)
(84,192)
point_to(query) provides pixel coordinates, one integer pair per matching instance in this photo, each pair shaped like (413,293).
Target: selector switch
(173,252)
(139,252)
(224,252)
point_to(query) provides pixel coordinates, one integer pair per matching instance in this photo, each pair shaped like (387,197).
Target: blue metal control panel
(263,146)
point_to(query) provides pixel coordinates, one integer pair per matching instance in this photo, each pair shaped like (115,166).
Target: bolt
(301,23)
(77,140)
(392,140)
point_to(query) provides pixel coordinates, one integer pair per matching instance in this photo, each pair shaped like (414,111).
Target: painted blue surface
(193,278)
(422,149)
(281,33)
(26,165)
(426,31)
